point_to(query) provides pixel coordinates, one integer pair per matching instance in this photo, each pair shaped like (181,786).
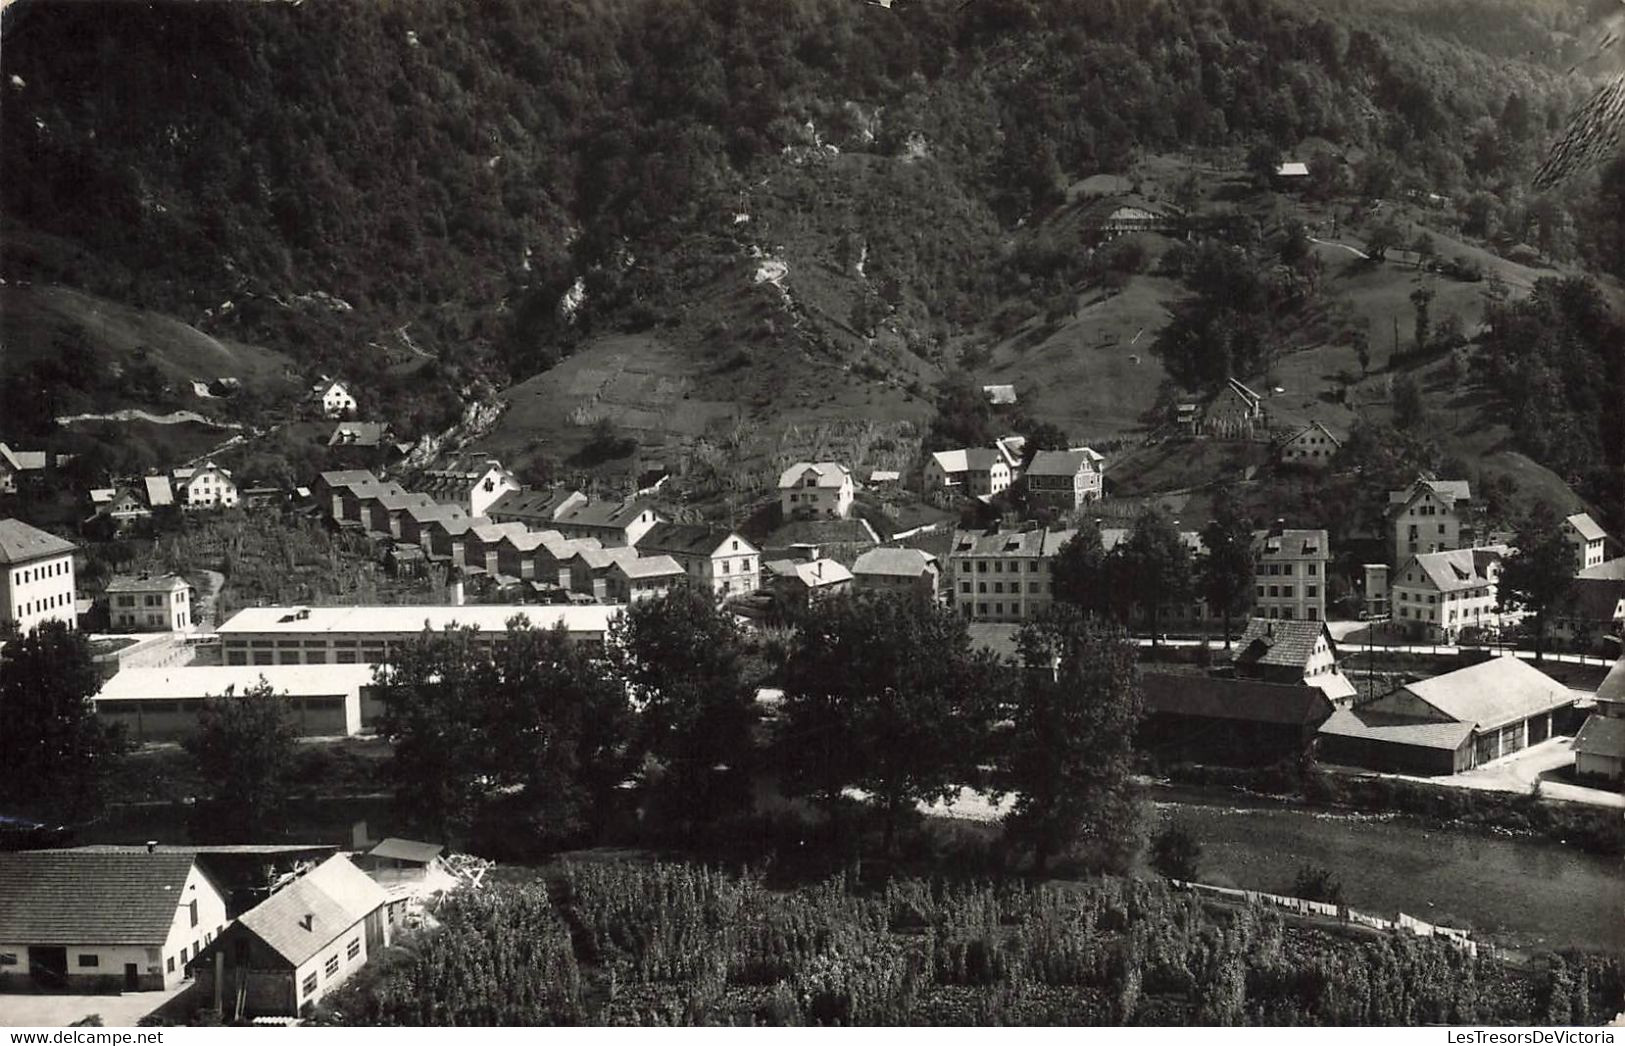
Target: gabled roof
(23,460)
(830,474)
(1586,527)
(1492,693)
(894,562)
(161,583)
(1293,543)
(616,515)
(604,558)
(1061,462)
(1608,568)
(1033,542)
(1252,398)
(541,505)
(1312,427)
(1601,735)
(21,543)
(689,539)
(817,574)
(395,501)
(431,512)
(1455,569)
(359,434)
(102,495)
(1448,491)
(1286,644)
(1292,169)
(486,532)
(406,850)
(969,459)
(1612,687)
(1368,725)
(309,913)
(347,477)
(159,492)
(648,566)
(1212,697)
(92,897)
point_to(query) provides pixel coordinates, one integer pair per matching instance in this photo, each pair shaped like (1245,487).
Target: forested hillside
(494,184)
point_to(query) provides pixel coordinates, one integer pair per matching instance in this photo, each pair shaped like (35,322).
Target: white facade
(206,487)
(161,604)
(1314,446)
(822,489)
(37,584)
(337,401)
(1586,538)
(1436,595)
(1290,575)
(1430,517)
(1005,575)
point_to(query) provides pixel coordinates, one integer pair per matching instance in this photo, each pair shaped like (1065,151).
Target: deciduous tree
(1154,565)
(1079,573)
(1227,571)
(244,748)
(1538,577)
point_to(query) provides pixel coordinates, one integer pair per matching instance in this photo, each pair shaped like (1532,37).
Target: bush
(1175,852)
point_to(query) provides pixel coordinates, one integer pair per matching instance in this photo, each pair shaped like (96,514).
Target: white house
(104,919)
(1587,538)
(719,560)
(973,472)
(1065,479)
(816,488)
(1314,446)
(1003,575)
(36,577)
(206,487)
(1437,594)
(1290,568)
(335,398)
(472,482)
(1430,516)
(150,604)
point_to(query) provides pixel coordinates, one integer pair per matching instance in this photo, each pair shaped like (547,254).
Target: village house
(289,635)
(125,507)
(446,539)
(417,522)
(471,482)
(478,547)
(537,509)
(1599,747)
(20,468)
(975,472)
(1291,651)
(1065,480)
(207,486)
(334,397)
(717,559)
(1000,395)
(538,555)
(162,704)
(610,522)
(589,570)
(909,571)
(355,508)
(1291,570)
(1003,575)
(363,435)
(1237,412)
(300,943)
(383,514)
(104,920)
(644,577)
(1449,723)
(1110,217)
(36,577)
(1437,594)
(795,583)
(1313,446)
(148,603)
(1431,515)
(1587,538)
(821,489)
(330,486)
(1590,618)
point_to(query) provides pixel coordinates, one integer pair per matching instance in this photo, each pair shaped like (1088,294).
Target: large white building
(364,635)
(1587,538)
(150,604)
(1003,575)
(1437,594)
(36,585)
(205,487)
(1430,516)
(719,560)
(1291,567)
(162,704)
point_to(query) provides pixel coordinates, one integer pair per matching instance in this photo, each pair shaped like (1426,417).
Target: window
(86,959)
(169,967)
(1311,590)
(964,586)
(332,965)
(1286,590)
(1260,590)
(308,986)
(981,587)
(1311,568)
(355,948)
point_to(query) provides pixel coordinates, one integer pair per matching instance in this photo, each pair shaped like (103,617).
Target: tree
(1421,298)
(1362,351)
(56,753)
(1227,571)
(244,749)
(1175,851)
(883,694)
(1078,574)
(1153,566)
(1069,751)
(1410,409)
(681,657)
(1383,237)
(1316,883)
(1539,576)
(1263,160)
(1041,435)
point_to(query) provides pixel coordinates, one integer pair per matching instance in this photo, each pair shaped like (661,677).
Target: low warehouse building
(162,704)
(1239,722)
(1449,723)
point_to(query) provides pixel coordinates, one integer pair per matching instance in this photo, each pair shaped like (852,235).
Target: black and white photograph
(605,514)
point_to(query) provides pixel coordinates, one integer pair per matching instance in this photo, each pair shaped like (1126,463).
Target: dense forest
(272,155)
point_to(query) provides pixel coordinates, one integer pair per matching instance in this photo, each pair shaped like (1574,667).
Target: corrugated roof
(314,910)
(21,543)
(1287,644)
(894,562)
(830,474)
(1586,526)
(406,850)
(91,897)
(1493,693)
(1211,697)
(1399,730)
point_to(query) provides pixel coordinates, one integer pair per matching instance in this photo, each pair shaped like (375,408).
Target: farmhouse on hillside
(1065,480)
(334,397)
(1313,446)
(822,489)
(1431,515)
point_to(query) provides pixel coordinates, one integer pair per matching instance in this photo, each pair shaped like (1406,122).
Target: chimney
(308,922)
(152,846)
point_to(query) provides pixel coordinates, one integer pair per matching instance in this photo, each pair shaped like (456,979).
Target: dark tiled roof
(21,543)
(534,504)
(91,897)
(1288,644)
(618,514)
(689,539)
(1211,697)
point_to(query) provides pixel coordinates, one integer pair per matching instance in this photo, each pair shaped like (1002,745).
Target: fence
(1301,906)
